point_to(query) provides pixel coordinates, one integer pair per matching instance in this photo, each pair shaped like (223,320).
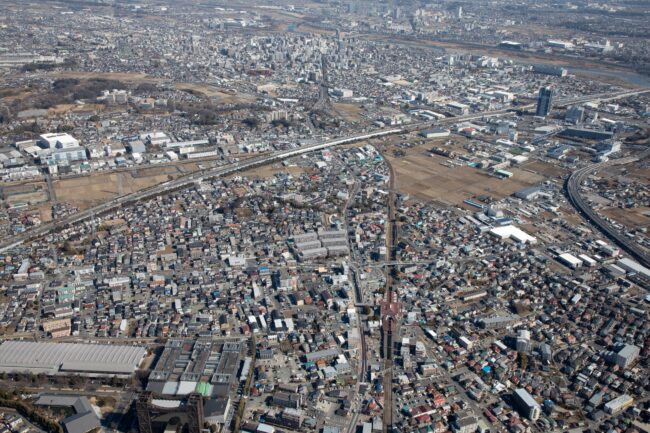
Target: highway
(573,192)
(190,179)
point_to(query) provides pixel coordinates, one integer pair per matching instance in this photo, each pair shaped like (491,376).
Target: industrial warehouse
(70,358)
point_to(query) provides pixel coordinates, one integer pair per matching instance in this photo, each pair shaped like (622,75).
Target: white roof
(506,232)
(570,259)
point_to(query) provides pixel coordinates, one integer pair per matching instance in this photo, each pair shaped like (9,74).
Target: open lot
(88,191)
(352,112)
(634,218)
(424,177)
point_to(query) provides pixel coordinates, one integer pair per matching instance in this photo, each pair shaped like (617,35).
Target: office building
(526,405)
(544,101)
(627,355)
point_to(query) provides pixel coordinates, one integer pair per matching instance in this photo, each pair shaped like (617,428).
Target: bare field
(351,111)
(30,198)
(88,191)
(544,169)
(424,177)
(67,108)
(628,217)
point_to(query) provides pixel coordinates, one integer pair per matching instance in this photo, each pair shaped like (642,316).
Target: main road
(580,203)
(190,179)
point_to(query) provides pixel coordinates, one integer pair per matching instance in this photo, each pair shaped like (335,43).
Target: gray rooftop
(51,358)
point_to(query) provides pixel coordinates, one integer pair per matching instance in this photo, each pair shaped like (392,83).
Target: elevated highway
(190,179)
(572,187)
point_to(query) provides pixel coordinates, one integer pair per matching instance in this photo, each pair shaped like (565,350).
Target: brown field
(45,209)
(424,177)
(545,169)
(67,108)
(351,112)
(633,218)
(30,198)
(88,191)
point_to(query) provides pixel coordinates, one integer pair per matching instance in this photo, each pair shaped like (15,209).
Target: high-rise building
(525,403)
(523,341)
(544,101)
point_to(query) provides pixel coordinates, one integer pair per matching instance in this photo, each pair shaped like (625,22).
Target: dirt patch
(351,112)
(545,169)
(88,191)
(633,218)
(426,177)
(72,108)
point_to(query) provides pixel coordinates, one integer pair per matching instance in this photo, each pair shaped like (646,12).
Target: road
(228,169)
(584,208)
(362,348)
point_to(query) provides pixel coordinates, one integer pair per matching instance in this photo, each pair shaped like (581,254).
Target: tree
(251,122)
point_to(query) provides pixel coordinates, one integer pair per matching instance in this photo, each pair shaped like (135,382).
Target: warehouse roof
(54,358)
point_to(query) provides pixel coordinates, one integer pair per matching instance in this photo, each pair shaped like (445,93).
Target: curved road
(573,192)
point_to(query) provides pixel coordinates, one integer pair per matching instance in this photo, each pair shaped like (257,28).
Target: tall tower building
(544,101)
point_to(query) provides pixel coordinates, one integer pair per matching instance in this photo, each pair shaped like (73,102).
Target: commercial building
(526,404)
(84,418)
(435,133)
(202,366)
(619,404)
(57,141)
(570,260)
(588,134)
(467,424)
(627,355)
(69,154)
(523,341)
(544,101)
(499,322)
(510,231)
(70,358)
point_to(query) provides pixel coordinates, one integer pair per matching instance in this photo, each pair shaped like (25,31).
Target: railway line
(390,325)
